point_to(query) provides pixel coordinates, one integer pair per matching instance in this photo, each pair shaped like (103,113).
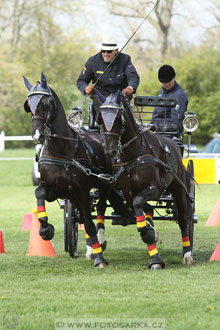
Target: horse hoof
(156,267)
(90,257)
(103,246)
(100,262)
(102,265)
(188,259)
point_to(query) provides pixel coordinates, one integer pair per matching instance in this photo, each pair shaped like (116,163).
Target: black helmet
(166,73)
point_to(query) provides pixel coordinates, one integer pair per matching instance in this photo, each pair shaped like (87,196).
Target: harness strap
(150,159)
(63,162)
(68,163)
(88,149)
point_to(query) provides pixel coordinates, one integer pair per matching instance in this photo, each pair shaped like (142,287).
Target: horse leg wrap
(46,229)
(141,222)
(100,229)
(42,216)
(185,243)
(156,259)
(89,250)
(97,252)
(94,250)
(187,252)
(146,229)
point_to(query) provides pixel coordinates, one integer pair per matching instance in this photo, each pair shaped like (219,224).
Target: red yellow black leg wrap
(141,222)
(100,222)
(148,215)
(152,249)
(96,248)
(41,212)
(100,219)
(185,241)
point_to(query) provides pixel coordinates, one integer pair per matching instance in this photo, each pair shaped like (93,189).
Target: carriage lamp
(74,117)
(190,122)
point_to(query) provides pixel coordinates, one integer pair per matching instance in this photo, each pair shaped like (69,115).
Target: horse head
(41,105)
(112,120)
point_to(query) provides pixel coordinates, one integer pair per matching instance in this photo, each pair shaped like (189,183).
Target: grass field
(36,291)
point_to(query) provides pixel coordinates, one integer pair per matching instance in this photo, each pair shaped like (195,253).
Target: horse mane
(126,103)
(56,99)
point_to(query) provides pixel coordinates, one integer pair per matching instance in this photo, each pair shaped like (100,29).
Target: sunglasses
(107,51)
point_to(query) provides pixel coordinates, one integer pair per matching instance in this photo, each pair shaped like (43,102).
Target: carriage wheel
(70,229)
(191,204)
(65,229)
(72,225)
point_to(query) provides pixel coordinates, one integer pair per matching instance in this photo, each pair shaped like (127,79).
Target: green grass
(38,290)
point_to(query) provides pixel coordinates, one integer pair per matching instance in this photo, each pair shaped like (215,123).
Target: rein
(49,134)
(125,145)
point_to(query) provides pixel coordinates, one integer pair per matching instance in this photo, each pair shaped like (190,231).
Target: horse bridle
(121,146)
(36,117)
(123,118)
(47,118)
(47,130)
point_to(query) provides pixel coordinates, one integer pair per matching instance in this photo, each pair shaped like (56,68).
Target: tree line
(33,41)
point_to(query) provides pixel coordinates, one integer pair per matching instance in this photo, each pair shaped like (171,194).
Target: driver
(121,74)
(170,89)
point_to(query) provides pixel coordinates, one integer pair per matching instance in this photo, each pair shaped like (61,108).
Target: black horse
(148,165)
(69,164)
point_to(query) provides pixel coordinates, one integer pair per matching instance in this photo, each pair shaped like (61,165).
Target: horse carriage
(133,154)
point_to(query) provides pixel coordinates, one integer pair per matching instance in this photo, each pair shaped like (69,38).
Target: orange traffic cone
(214,217)
(27,220)
(216,253)
(37,246)
(2,247)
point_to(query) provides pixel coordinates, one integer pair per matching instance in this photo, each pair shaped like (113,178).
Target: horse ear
(27,83)
(101,97)
(118,97)
(43,81)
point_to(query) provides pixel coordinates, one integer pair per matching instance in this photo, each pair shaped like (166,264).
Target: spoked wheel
(70,228)
(65,228)
(191,204)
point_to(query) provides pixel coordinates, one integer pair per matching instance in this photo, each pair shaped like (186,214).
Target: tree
(18,17)
(160,20)
(198,72)
(39,45)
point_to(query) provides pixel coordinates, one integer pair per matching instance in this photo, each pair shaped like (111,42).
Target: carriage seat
(167,129)
(170,130)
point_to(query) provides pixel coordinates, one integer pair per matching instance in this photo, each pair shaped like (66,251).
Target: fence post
(2,141)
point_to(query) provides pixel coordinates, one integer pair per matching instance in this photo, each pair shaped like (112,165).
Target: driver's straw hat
(108,43)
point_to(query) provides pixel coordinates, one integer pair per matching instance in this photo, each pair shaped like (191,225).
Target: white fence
(4,138)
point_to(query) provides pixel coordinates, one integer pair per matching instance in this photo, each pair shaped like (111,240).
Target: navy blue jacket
(119,75)
(172,115)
